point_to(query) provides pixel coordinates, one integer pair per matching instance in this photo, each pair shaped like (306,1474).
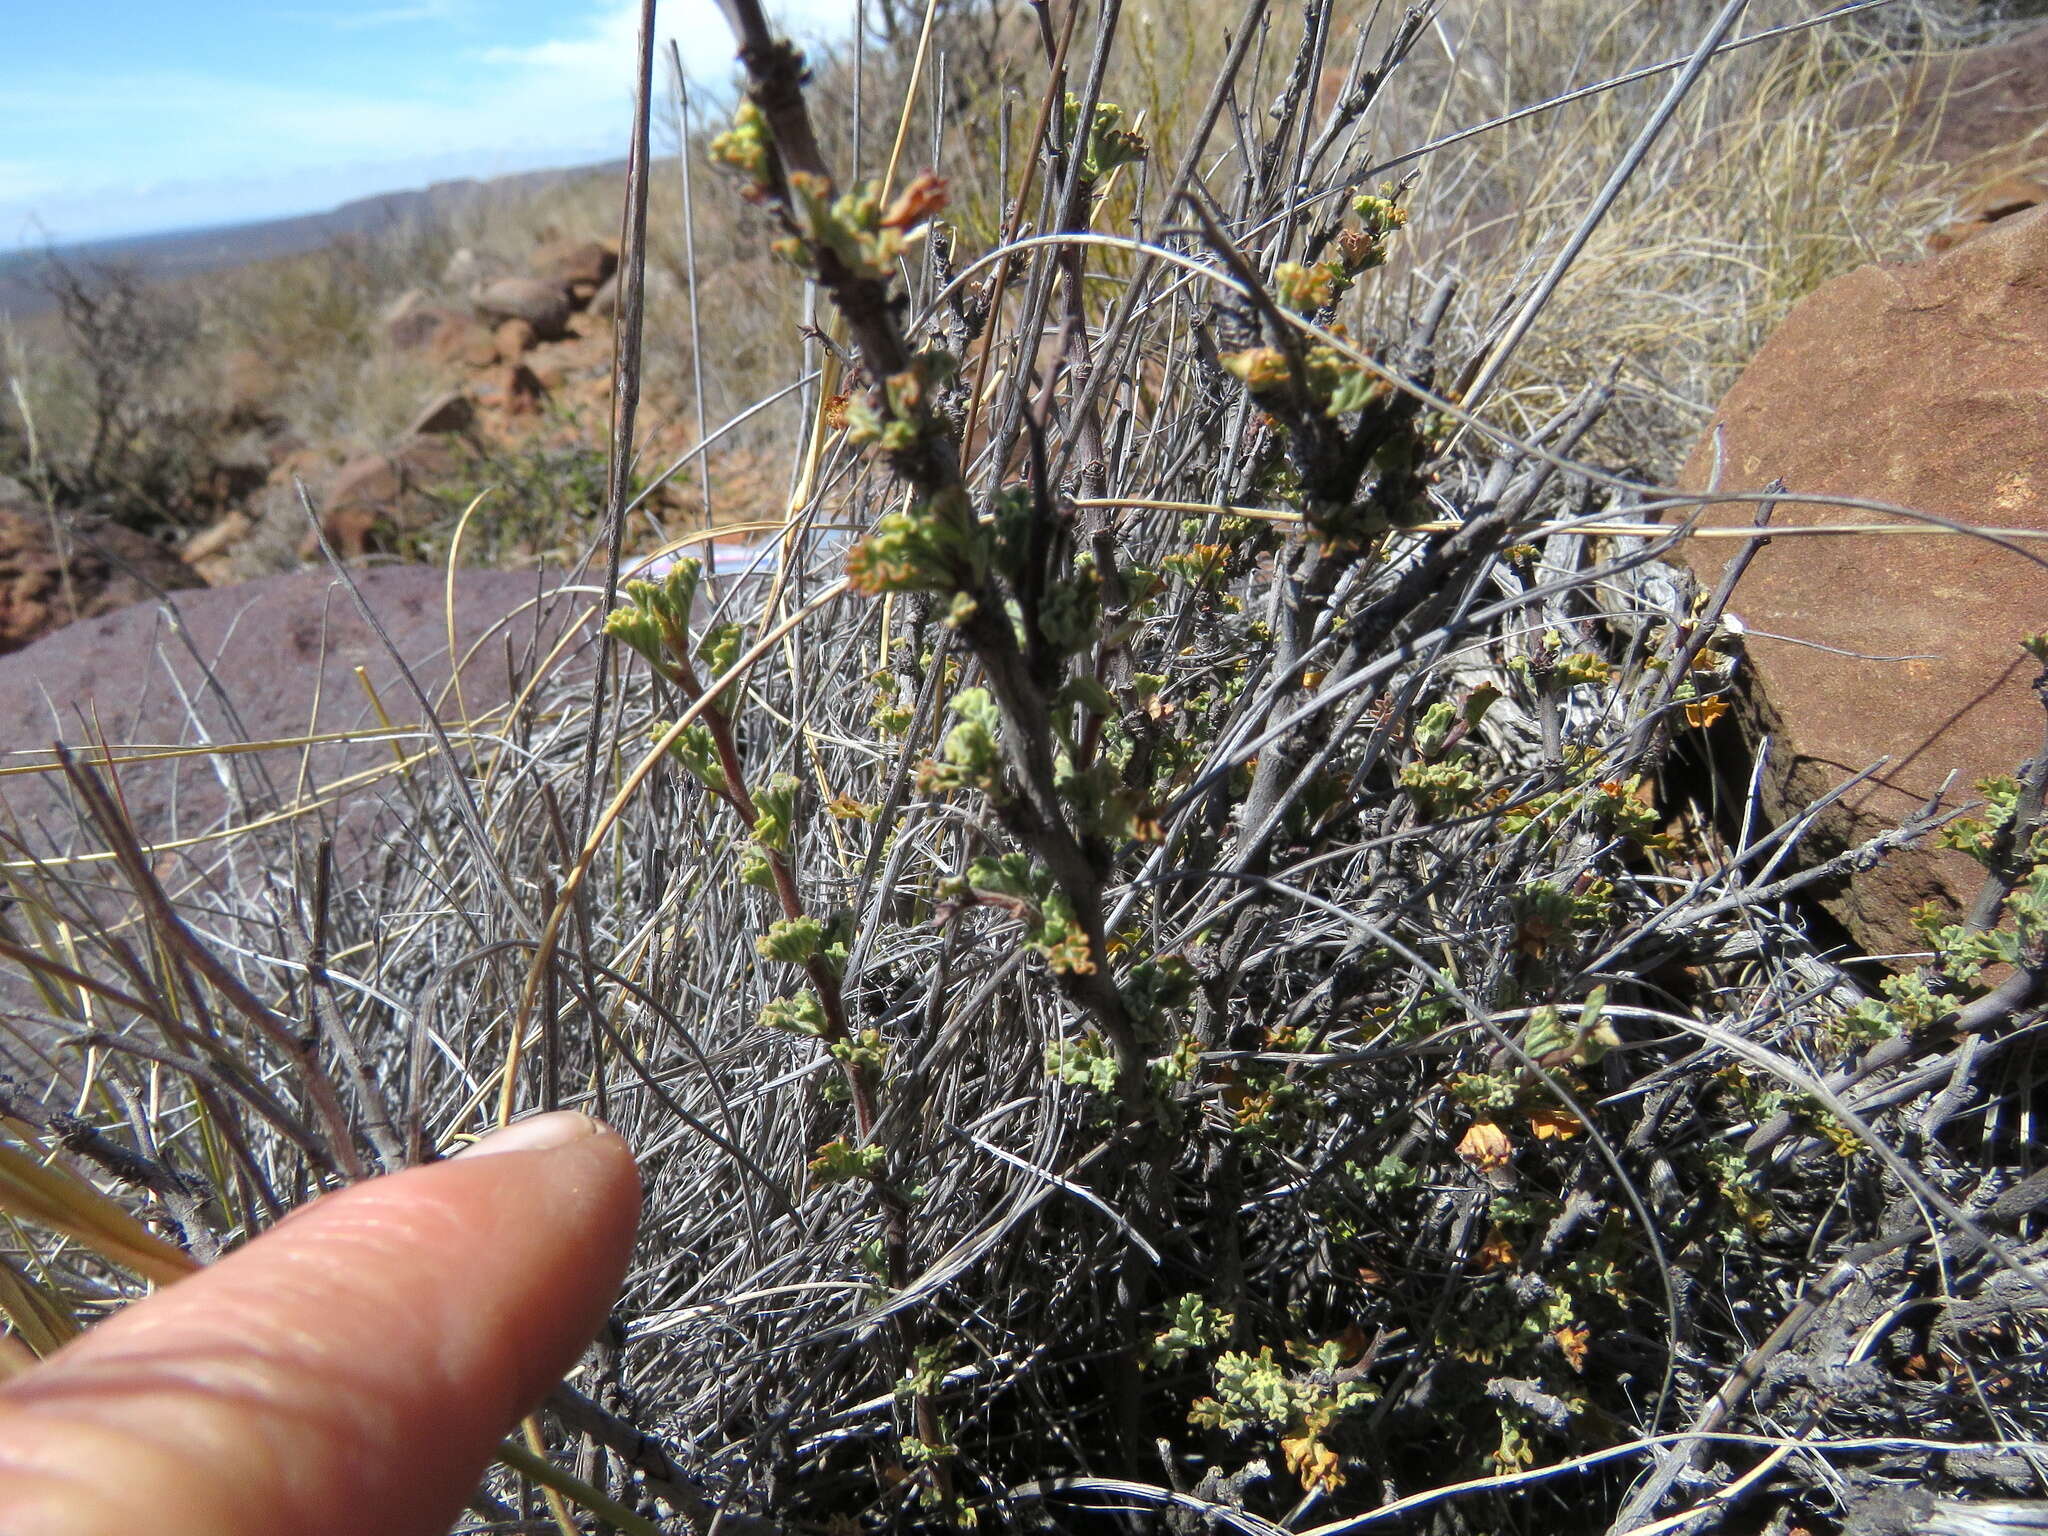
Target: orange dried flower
(924,197)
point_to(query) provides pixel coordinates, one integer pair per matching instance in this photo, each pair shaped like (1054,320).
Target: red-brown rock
(1987,205)
(450,411)
(541,304)
(515,339)
(464,342)
(566,262)
(210,552)
(372,480)
(362,491)
(350,531)
(381,489)
(300,463)
(52,575)
(1984,107)
(523,394)
(1922,385)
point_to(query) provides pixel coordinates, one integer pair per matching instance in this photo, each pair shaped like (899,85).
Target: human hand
(351,1371)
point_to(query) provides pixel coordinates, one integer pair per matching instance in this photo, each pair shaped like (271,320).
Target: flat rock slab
(270,661)
(1922,385)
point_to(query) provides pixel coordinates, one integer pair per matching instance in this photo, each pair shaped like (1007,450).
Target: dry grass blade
(44,1194)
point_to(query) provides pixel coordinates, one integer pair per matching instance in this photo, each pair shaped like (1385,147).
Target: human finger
(352,1370)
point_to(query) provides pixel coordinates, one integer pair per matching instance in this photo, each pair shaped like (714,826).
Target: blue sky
(131,116)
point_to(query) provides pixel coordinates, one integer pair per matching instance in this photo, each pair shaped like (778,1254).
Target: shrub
(123,429)
(1154,977)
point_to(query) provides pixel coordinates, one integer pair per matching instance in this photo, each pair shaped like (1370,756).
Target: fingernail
(536,1133)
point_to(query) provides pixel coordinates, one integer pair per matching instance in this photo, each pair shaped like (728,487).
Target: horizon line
(31,248)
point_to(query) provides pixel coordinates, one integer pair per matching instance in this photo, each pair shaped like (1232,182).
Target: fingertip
(362,1360)
(582,1150)
(539,1133)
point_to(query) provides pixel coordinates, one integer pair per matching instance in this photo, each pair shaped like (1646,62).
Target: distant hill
(188,252)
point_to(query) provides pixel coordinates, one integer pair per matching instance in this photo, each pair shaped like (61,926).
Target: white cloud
(175,136)
(598,59)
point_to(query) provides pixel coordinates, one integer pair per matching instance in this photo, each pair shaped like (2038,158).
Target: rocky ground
(507,371)
(526,362)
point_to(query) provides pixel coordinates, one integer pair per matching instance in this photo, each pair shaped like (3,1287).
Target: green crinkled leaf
(1354,391)
(864,1052)
(1009,875)
(800,1014)
(1067,610)
(638,630)
(775,811)
(970,758)
(1546,1033)
(1434,729)
(697,750)
(839,1161)
(935,546)
(1193,1324)
(1108,143)
(720,647)
(755,868)
(792,940)
(1084,1063)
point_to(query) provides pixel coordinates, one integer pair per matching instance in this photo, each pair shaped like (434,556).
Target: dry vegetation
(1175,982)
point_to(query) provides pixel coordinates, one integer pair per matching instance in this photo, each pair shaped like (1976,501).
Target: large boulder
(1922,385)
(541,304)
(272,662)
(55,571)
(568,262)
(282,654)
(392,489)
